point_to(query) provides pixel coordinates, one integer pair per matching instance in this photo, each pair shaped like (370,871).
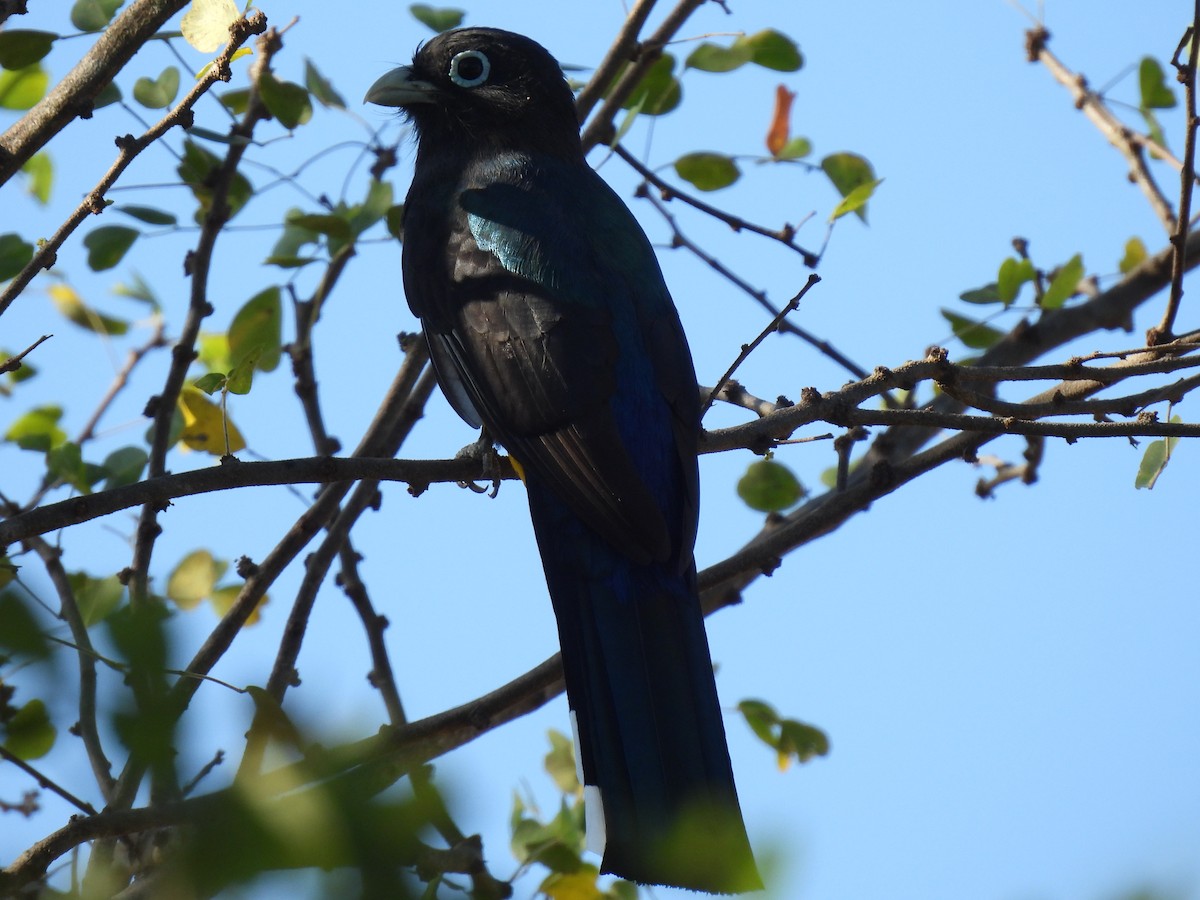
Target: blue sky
(1011,687)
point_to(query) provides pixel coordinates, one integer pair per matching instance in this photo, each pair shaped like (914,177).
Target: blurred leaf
(137,289)
(109,94)
(223,598)
(65,463)
(95,597)
(37,429)
(1013,273)
(214,352)
(373,208)
(989,293)
(560,762)
(157,93)
(796,148)
(1135,255)
(29,734)
(287,101)
(40,172)
(769,486)
(19,629)
(206,24)
(147,214)
(240,378)
(707,171)
(210,383)
(107,245)
(194,579)
(256,329)
(320,223)
(658,92)
(790,739)
(848,172)
(93,15)
(780,129)
(20,89)
(124,466)
(1064,284)
(1152,83)
(577,885)
(196,170)
(395,220)
(1154,461)
(855,201)
(71,305)
(15,254)
(20,48)
(973,334)
(715,58)
(204,425)
(236,101)
(320,87)
(437,19)
(772,50)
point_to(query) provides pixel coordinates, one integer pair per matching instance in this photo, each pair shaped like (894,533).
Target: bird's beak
(399,88)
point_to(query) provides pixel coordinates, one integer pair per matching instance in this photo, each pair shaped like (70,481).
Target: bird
(550,326)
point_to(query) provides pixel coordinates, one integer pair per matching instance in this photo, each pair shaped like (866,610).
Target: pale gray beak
(399,88)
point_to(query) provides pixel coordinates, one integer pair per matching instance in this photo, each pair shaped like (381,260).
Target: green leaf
(93,15)
(1154,461)
(769,486)
(772,50)
(236,101)
(65,463)
(707,171)
(715,58)
(848,172)
(1152,82)
(1135,255)
(437,19)
(71,305)
(395,220)
(256,330)
(157,93)
(197,167)
(124,466)
(147,214)
(855,201)
(975,335)
(109,94)
(137,289)
(321,223)
(320,87)
(376,205)
(1013,273)
(37,429)
(1064,284)
(287,101)
(19,629)
(560,762)
(15,255)
(29,732)
(194,578)
(97,598)
(20,89)
(21,48)
(107,245)
(241,376)
(210,383)
(796,148)
(789,738)
(989,293)
(206,24)
(40,172)
(658,92)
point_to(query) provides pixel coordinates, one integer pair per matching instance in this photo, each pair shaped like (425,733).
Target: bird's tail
(661,801)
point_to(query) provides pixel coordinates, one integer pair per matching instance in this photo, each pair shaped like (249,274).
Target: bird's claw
(484,450)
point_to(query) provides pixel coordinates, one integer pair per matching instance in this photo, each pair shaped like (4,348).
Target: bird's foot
(484,450)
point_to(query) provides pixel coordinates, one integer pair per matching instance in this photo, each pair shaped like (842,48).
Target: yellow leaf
(578,885)
(223,597)
(206,24)
(205,425)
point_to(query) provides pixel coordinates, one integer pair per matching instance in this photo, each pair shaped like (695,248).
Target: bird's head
(485,87)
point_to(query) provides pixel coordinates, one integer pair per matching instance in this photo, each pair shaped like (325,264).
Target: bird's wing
(565,341)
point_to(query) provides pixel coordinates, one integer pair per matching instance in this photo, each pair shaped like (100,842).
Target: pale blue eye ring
(469,69)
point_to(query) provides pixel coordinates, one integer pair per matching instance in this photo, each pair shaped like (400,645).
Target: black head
(485,86)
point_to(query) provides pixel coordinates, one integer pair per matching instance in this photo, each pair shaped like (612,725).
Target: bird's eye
(469,68)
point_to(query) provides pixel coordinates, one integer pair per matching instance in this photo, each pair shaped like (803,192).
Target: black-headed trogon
(549,324)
